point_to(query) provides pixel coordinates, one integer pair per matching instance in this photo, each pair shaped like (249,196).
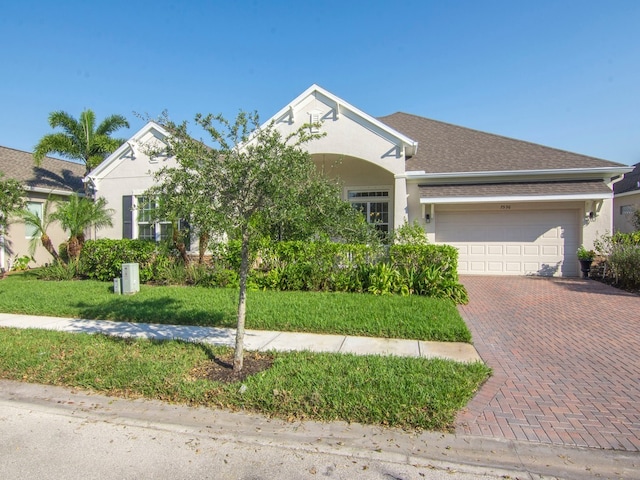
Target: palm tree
(78,214)
(40,226)
(81,139)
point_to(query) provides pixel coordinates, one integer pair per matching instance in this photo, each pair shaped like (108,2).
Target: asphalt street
(52,433)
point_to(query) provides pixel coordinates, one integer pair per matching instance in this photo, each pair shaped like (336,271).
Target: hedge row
(313,266)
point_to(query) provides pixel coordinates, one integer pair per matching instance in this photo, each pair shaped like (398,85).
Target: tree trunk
(73,248)
(203,243)
(242,303)
(48,246)
(179,244)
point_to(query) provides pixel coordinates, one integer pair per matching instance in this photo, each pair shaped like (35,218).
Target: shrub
(410,234)
(21,263)
(624,261)
(622,252)
(418,269)
(325,266)
(102,259)
(60,271)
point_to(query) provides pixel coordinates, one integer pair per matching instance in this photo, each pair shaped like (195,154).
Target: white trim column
(400,210)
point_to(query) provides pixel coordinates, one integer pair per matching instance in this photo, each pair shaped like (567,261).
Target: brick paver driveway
(566,361)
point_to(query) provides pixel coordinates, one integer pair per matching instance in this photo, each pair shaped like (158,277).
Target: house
(510,207)
(53,179)
(626,201)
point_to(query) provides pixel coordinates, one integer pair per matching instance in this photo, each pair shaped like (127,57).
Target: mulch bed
(220,369)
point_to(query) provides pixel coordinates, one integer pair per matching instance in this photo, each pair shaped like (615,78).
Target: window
(148,227)
(374,205)
(36,209)
(627,209)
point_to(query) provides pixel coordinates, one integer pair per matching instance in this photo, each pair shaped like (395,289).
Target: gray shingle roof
(51,174)
(443,147)
(630,182)
(513,189)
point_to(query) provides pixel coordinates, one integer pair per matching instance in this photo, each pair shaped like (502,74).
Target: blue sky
(561,73)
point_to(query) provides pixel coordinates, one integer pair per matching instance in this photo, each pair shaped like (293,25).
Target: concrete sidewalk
(261,340)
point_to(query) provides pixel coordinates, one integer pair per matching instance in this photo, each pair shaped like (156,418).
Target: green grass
(411,393)
(387,316)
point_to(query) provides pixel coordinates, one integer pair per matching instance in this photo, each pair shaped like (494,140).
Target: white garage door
(512,242)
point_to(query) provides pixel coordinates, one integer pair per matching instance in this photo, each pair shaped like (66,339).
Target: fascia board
(52,191)
(516,198)
(108,162)
(364,118)
(596,171)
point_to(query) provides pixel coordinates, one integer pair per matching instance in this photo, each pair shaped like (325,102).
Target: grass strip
(388,316)
(413,393)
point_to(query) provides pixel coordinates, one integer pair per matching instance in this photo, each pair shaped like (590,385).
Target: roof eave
(595,171)
(52,191)
(516,198)
(627,193)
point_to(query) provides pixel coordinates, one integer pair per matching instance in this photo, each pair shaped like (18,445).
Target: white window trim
(135,224)
(374,188)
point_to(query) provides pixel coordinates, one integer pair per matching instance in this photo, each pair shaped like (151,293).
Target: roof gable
(53,175)
(150,132)
(446,148)
(297,107)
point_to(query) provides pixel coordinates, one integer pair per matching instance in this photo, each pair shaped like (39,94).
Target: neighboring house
(626,201)
(510,207)
(53,179)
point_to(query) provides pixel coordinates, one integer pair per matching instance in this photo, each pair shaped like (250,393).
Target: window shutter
(127,216)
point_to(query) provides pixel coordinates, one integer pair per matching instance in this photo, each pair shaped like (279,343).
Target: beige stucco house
(53,179)
(510,207)
(626,201)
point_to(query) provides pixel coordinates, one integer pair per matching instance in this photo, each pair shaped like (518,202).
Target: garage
(512,242)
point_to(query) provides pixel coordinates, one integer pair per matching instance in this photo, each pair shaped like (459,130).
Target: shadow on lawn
(164,311)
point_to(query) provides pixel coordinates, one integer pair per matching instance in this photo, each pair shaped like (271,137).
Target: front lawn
(414,393)
(389,316)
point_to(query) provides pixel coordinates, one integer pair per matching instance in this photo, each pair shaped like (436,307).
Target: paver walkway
(566,360)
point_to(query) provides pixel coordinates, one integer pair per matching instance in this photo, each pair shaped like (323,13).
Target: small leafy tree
(40,226)
(81,139)
(251,179)
(76,215)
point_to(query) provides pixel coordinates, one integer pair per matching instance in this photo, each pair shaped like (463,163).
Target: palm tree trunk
(73,248)
(48,246)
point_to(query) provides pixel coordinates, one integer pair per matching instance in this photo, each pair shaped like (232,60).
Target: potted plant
(586,259)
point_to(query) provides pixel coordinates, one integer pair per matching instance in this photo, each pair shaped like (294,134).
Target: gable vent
(314,118)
